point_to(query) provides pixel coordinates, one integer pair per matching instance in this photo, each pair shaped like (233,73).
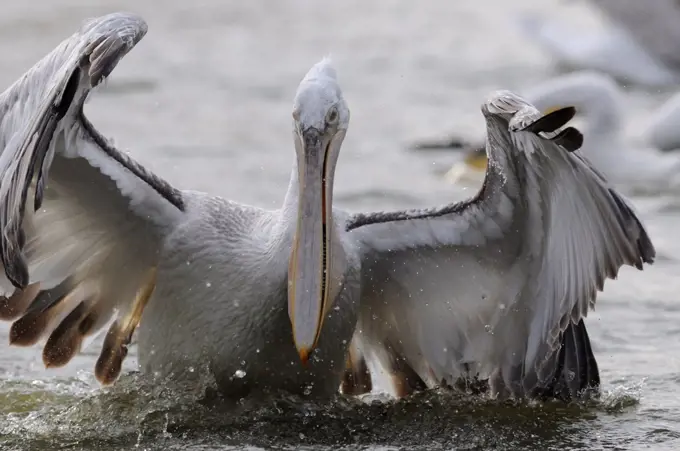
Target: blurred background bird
(635,47)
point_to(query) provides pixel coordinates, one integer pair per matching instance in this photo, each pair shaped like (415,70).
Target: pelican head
(320,120)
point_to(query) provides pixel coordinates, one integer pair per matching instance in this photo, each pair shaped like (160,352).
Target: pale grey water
(205,101)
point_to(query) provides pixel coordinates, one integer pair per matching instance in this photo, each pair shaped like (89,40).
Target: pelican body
(240,323)
(270,300)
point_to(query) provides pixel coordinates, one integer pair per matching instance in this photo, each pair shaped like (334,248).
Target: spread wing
(488,287)
(81,222)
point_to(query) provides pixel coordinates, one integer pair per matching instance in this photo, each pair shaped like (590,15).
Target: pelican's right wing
(499,285)
(81,223)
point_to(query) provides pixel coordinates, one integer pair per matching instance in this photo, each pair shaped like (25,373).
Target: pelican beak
(309,268)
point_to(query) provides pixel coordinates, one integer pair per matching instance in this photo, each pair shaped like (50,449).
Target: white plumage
(490,289)
(495,287)
(639,43)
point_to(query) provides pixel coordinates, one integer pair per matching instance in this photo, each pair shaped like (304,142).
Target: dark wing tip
(38,311)
(65,341)
(645,247)
(14,306)
(570,139)
(37,318)
(575,373)
(631,224)
(114,350)
(552,121)
(27,330)
(15,265)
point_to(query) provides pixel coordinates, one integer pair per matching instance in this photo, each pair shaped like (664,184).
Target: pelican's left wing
(493,286)
(81,223)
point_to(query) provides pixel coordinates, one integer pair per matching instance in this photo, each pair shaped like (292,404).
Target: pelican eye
(332,116)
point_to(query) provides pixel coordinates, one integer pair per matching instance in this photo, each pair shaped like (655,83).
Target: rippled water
(205,101)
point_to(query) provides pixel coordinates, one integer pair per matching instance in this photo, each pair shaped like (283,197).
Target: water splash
(147,413)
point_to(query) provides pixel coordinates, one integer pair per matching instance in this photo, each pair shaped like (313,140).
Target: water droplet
(336,308)
(166,434)
(191,369)
(243,362)
(236,303)
(344,342)
(501,306)
(302,436)
(488,328)
(257,351)
(239,374)
(208,284)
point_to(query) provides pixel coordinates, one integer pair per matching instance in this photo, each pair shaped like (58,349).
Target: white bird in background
(663,129)
(495,287)
(639,44)
(634,166)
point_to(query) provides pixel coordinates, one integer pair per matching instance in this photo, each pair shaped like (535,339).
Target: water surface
(205,101)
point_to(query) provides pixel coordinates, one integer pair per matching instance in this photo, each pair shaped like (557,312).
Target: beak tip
(304,355)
